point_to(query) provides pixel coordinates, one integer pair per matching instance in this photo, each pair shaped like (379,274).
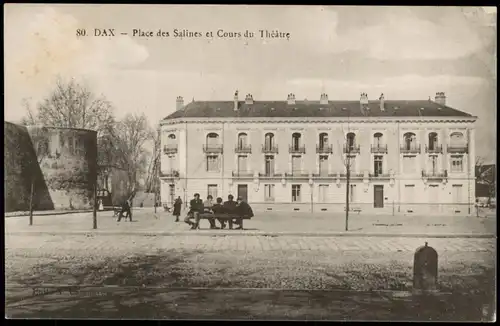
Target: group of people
(197,206)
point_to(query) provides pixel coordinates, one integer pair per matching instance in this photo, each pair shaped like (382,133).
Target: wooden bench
(354,209)
(224,217)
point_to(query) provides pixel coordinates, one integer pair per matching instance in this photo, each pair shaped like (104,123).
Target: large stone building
(405,156)
(61,163)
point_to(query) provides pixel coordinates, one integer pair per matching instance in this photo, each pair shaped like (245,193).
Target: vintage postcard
(249,162)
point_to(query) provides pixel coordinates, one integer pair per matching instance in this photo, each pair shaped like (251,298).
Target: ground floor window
(323,193)
(352,193)
(295,193)
(457,193)
(269,192)
(409,193)
(212,191)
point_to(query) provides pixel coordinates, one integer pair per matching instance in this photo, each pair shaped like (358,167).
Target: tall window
(269,192)
(212,163)
(457,194)
(71,145)
(296,164)
(457,139)
(242,140)
(212,139)
(409,164)
(352,193)
(377,165)
(457,163)
(242,163)
(269,165)
(351,161)
(351,140)
(409,193)
(323,140)
(296,141)
(433,164)
(377,139)
(172,162)
(323,165)
(171,193)
(295,193)
(323,193)
(410,140)
(433,141)
(269,141)
(212,191)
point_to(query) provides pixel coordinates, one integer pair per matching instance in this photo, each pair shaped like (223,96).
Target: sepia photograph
(250,162)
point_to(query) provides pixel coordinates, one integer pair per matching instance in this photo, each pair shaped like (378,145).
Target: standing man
(126,210)
(194,212)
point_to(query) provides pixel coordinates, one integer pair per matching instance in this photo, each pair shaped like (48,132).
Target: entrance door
(243,192)
(378,196)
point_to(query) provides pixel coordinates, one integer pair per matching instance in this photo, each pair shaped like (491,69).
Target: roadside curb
(7,215)
(262,234)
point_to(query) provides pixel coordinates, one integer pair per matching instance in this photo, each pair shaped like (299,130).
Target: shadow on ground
(161,287)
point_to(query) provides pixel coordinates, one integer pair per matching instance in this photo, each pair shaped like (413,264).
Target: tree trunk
(94,213)
(32,191)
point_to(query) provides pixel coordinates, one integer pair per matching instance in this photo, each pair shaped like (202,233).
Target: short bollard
(425,270)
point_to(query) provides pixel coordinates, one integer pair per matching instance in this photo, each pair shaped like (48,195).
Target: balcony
(297,149)
(169,174)
(351,149)
(243,149)
(380,176)
(270,149)
(270,175)
(343,175)
(242,174)
(212,148)
(458,149)
(434,175)
(324,149)
(436,149)
(379,149)
(323,175)
(412,149)
(297,174)
(170,149)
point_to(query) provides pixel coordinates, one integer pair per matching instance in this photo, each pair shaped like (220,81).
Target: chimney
(323,98)
(291,99)
(440,98)
(382,102)
(249,99)
(179,103)
(236,101)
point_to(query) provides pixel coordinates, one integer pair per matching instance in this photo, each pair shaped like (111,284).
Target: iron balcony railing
(322,174)
(380,176)
(270,175)
(453,149)
(436,149)
(343,175)
(324,149)
(297,174)
(410,149)
(212,148)
(170,149)
(270,149)
(351,149)
(379,148)
(243,149)
(242,174)
(297,149)
(435,174)
(170,174)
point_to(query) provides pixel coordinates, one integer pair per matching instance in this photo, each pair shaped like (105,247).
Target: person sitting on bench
(207,208)
(217,208)
(194,212)
(230,208)
(242,209)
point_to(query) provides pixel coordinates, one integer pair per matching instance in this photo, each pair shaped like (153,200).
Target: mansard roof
(281,109)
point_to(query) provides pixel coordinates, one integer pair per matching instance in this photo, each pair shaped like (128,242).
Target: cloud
(41,42)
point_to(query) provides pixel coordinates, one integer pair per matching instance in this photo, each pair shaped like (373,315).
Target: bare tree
(152,183)
(130,137)
(486,175)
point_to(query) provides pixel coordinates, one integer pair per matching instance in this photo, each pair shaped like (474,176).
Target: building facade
(398,157)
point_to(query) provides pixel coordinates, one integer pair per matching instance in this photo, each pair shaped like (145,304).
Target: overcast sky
(403,52)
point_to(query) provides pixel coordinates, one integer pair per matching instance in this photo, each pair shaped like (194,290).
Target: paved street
(144,244)
(145,220)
